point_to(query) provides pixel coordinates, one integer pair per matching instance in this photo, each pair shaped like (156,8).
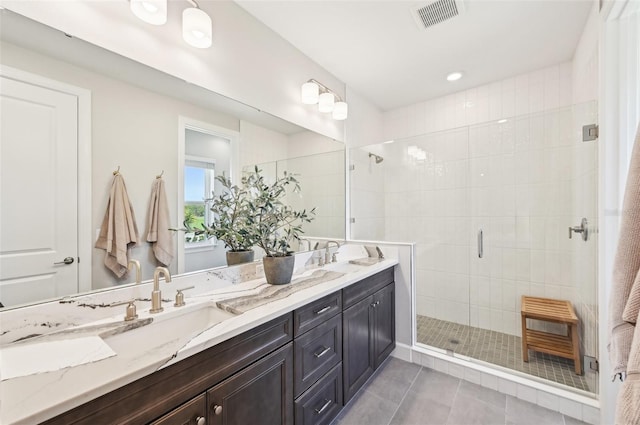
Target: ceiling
(377,49)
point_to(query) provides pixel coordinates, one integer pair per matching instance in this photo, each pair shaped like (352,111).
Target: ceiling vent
(437,11)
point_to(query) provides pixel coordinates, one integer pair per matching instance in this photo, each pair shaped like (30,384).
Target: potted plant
(275,224)
(232,221)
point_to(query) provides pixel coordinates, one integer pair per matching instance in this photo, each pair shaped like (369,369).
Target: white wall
(260,145)
(247,62)
(139,135)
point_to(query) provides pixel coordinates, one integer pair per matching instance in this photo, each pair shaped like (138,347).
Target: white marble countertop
(139,352)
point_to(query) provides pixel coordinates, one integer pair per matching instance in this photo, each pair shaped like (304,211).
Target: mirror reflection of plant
(232,210)
(275,223)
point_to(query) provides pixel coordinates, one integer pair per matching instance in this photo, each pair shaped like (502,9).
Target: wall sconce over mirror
(314,92)
(196,24)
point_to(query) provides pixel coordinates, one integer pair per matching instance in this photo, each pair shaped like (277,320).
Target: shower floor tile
(497,348)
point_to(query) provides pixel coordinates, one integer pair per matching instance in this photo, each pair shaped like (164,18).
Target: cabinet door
(260,394)
(191,413)
(358,361)
(385,327)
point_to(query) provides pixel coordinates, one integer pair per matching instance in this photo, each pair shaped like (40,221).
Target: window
(199,179)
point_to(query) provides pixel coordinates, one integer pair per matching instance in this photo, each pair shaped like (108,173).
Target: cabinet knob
(216,409)
(200,420)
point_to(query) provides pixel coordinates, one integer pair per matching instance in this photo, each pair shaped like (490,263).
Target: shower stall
(489,207)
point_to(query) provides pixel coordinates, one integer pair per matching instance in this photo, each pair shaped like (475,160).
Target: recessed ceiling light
(454,76)
(388,141)
(502,121)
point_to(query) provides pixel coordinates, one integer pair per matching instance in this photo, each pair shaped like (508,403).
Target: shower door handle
(480,244)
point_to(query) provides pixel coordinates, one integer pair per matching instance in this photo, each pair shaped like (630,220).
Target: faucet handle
(131,309)
(180,296)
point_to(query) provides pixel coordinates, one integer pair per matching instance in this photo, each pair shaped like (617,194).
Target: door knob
(216,409)
(200,420)
(68,260)
(582,228)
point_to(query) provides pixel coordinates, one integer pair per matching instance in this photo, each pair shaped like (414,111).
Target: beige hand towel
(159,223)
(119,232)
(624,341)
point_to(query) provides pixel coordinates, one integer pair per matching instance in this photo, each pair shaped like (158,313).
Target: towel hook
(115,173)
(159,176)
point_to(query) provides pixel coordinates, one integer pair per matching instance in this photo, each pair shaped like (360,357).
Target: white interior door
(38,193)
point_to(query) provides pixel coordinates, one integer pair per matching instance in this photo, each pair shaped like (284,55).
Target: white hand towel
(119,232)
(159,223)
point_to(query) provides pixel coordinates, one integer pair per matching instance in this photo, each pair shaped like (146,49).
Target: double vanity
(238,352)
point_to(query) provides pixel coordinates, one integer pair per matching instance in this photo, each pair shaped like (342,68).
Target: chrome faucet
(327,256)
(136,263)
(156,295)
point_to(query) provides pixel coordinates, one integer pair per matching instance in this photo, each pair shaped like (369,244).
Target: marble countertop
(140,350)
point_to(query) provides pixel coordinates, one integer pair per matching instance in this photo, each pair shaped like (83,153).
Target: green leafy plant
(232,223)
(275,224)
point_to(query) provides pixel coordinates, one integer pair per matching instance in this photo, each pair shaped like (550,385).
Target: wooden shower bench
(556,311)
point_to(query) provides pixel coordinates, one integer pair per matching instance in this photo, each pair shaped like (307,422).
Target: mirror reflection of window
(199,179)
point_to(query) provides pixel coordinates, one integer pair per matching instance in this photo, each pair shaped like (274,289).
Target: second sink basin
(178,326)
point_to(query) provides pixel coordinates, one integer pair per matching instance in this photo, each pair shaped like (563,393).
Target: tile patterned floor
(497,348)
(402,393)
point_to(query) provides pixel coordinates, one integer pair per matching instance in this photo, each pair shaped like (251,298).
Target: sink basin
(344,267)
(176,326)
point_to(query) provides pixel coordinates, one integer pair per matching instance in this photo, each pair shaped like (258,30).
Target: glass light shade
(196,28)
(310,93)
(153,12)
(340,111)
(326,102)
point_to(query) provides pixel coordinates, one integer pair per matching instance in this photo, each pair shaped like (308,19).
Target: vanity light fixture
(153,12)
(313,92)
(454,76)
(196,24)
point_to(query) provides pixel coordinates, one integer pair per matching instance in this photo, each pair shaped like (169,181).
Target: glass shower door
(532,177)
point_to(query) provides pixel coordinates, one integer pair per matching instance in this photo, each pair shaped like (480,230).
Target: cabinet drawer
(323,401)
(188,414)
(313,314)
(354,293)
(316,352)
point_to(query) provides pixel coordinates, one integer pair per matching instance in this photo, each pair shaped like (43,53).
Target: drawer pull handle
(324,310)
(217,409)
(324,407)
(375,304)
(322,353)
(200,420)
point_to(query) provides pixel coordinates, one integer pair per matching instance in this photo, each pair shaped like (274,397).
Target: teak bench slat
(555,311)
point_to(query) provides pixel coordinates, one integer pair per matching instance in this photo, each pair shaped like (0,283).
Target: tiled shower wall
(523,182)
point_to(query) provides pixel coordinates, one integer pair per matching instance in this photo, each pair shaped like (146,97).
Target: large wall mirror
(146,124)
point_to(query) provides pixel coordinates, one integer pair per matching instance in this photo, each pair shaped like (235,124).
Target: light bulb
(310,93)
(340,111)
(196,28)
(153,12)
(326,102)
(454,76)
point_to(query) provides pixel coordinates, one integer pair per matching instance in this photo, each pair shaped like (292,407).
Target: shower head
(378,158)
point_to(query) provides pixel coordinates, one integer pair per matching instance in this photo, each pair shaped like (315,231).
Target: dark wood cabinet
(193,412)
(301,367)
(368,328)
(260,394)
(357,359)
(323,401)
(384,326)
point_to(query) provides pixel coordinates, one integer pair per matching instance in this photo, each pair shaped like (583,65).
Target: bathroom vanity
(297,359)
